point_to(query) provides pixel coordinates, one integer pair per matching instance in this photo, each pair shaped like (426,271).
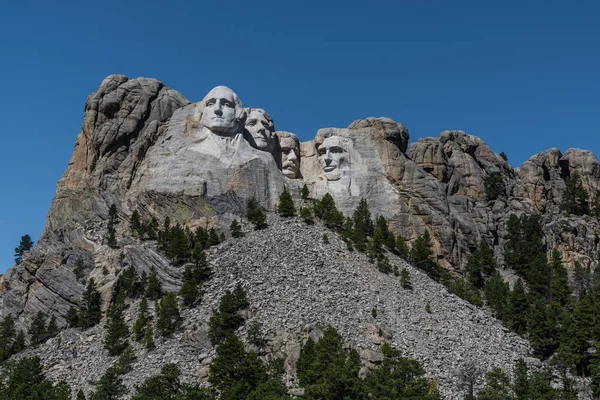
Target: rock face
(145,148)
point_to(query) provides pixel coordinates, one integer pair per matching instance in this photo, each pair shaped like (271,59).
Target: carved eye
(210,102)
(252,122)
(228,103)
(335,150)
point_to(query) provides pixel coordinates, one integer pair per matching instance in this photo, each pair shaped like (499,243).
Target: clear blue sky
(523,75)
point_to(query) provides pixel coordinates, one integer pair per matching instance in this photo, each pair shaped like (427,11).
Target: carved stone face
(261,129)
(332,155)
(290,157)
(220,111)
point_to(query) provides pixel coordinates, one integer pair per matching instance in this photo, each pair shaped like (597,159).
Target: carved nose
(218,111)
(292,155)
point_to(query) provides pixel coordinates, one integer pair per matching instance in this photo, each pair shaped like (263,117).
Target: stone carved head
(261,130)
(333,157)
(221,112)
(290,154)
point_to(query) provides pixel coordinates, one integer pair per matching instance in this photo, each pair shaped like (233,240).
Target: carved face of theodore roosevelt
(260,126)
(333,157)
(290,154)
(222,112)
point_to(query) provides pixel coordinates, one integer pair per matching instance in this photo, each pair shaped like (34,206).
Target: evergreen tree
(37,329)
(518,307)
(328,212)
(575,197)
(177,245)
(362,225)
(168,318)
(24,379)
(142,320)
(226,319)
(213,238)
(542,327)
(110,386)
(581,279)
(19,344)
(190,290)
(25,244)
(256,215)
(7,337)
(200,267)
(521,384)
(304,192)
(496,293)
(405,279)
(497,386)
(80,395)
(135,223)
(235,373)
(595,206)
(503,155)
(52,329)
(235,229)
(286,204)
(90,313)
(330,372)
(164,386)
(481,263)
(113,219)
(401,247)
(494,186)
(149,337)
(421,255)
(79,267)
(116,330)
(398,378)
(306,215)
(154,287)
(384,265)
(560,291)
(72,317)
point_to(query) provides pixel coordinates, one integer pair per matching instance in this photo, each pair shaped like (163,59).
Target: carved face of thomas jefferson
(222,112)
(332,156)
(260,126)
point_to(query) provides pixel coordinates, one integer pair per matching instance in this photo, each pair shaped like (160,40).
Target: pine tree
(575,197)
(363,225)
(136,224)
(521,384)
(149,337)
(304,192)
(19,345)
(90,313)
(111,239)
(213,238)
(142,320)
(256,215)
(306,215)
(154,287)
(401,247)
(518,307)
(116,330)
(168,319)
(421,255)
(595,206)
(79,267)
(496,293)
(235,229)
(497,386)
(560,291)
(286,204)
(190,292)
(72,317)
(235,373)
(405,279)
(200,267)
(80,395)
(494,186)
(37,329)
(328,212)
(25,244)
(7,337)
(52,329)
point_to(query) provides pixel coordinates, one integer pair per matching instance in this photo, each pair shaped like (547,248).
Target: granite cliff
(144,147)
